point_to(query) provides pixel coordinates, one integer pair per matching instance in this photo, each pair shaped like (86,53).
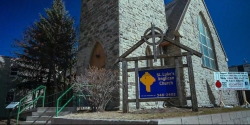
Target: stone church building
(110,27)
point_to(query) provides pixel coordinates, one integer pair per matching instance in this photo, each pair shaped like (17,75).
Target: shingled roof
(175,12)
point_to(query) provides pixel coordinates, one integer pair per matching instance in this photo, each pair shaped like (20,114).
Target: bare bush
(100,84)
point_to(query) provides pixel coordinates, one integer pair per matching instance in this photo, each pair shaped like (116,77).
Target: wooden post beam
(192,83)
(152,57)
(125,108)
(244,98)
(182,46)
(178,81)
(136,85)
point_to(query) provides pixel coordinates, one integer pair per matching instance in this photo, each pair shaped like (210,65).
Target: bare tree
(98,86)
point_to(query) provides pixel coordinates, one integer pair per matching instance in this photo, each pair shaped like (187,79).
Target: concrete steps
(43,115)
(34,123)
(53,109)
(49,113)
(38,118)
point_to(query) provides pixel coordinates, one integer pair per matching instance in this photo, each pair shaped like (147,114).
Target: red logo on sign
(218,84)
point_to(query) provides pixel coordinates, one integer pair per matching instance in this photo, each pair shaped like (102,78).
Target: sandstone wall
(203,76)
(135,17)
(99,23)
(117,25)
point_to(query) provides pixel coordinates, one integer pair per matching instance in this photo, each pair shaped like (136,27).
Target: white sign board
(231,81)
(12,105)
(246,68)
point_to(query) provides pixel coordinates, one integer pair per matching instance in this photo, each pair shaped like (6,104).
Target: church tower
(110,27)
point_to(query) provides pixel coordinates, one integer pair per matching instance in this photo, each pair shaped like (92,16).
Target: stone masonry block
(244,114)
(169,121)
(205,119)
(225,117)
(232,115)
(248,113)
(223,123)
(216,118)
(190,120)
(248,120)
(230,122)
(243,120)
(238,114)
(237,121)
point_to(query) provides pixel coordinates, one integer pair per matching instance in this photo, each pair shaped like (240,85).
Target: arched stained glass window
(206,47)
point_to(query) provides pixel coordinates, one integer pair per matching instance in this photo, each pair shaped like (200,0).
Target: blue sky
(231,19)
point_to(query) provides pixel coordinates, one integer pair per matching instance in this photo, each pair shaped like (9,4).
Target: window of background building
(9,97)
(13,71)
(208,58)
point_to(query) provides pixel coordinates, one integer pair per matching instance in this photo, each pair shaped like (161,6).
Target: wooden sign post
(153,33)
(124,87)
(221,99)
(192,83)
(232,81)
(244,98)
(10,107)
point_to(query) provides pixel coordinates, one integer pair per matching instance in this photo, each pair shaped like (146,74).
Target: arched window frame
(99,55)
(206,45)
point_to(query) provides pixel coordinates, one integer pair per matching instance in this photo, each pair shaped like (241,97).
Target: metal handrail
(79,99)
(54,94)
(48,96)
(34,101)
(83,95)
(57,101)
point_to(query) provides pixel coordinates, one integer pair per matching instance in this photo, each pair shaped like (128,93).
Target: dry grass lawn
(151,113)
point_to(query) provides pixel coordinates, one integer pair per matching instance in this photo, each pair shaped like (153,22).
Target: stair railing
(58,110)
(23,105)
(51,96)
(81,97)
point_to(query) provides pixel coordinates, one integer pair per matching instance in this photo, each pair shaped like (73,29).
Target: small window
(9,97)
(208,58)
(13,71)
